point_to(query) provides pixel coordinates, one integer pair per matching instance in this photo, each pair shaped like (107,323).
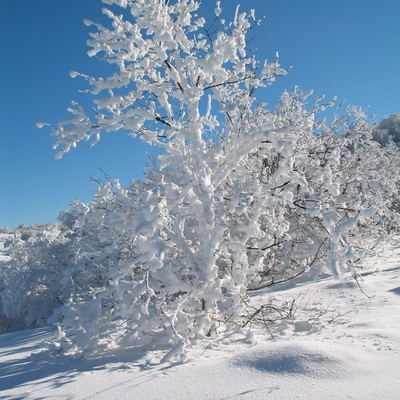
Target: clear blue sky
(344,48)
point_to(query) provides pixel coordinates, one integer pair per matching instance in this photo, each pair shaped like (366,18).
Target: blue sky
(344,48)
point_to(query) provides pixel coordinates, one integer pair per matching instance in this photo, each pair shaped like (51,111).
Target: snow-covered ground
(344,343)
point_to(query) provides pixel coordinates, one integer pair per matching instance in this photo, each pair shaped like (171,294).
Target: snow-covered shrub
(30,282)
(241,198)
(387,134)
(48,265)
(388,131)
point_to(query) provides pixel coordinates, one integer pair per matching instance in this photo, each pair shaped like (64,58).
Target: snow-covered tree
(242,197)
(30,281)
(387,134)
(388,131)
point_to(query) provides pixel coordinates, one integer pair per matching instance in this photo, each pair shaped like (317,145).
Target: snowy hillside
(343,342)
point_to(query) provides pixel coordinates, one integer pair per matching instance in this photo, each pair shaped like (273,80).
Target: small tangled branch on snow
(357,277)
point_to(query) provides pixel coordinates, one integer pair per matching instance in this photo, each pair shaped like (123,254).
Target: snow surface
(343,344)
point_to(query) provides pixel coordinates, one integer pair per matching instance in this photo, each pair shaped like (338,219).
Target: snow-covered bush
(388,131)
(30,280)
(387,134)
(47,266)
(242,197)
